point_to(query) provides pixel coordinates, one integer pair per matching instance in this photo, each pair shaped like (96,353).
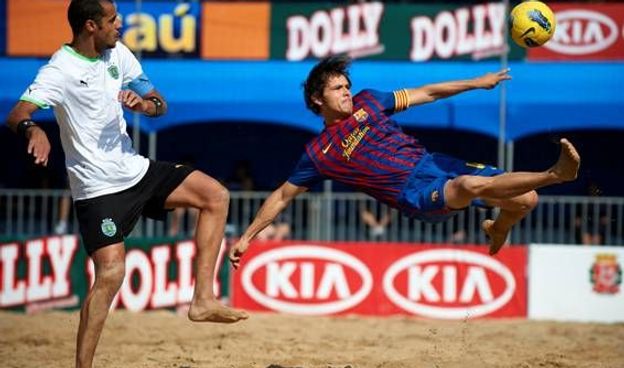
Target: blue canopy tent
(541,97)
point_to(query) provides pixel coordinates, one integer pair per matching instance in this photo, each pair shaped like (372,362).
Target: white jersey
(84,94)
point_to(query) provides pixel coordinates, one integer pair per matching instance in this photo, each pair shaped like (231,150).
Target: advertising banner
(155,28)
(3,28)
(573,283)
(585,31)
(235,30)
(161,28)
(389,31)
(430,281)
(55,273)
(36,27)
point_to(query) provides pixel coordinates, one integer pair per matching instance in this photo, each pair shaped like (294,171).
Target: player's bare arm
(273,206)
(433,92)
(151,104)
(38,143)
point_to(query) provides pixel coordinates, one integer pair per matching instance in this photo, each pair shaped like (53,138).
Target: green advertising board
(375,30)
(55,273)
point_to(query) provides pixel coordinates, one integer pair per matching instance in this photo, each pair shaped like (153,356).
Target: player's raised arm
(20,121)
(433,92)
(273,206)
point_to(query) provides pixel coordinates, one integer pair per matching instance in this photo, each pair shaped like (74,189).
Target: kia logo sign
(582,32)
(445,284)
(310,280)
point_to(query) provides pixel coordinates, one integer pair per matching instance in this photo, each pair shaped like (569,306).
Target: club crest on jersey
(435,195)
(108,227)
(113,71)
(360,115)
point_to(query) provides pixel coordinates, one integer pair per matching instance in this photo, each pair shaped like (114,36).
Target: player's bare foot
(497,239)
(566,168)
(213,311)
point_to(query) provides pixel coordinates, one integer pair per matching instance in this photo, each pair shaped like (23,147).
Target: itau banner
(585,31)
(165,29)
(430,281)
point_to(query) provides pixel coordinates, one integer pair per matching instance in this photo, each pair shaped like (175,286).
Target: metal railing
(338,217)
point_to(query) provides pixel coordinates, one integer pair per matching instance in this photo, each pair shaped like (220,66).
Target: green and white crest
(108,227)
(113,71)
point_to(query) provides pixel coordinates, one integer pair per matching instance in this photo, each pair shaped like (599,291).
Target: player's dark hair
(320,74)
(80,11)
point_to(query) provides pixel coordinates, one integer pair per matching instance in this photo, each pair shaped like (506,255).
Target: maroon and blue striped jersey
(367,151)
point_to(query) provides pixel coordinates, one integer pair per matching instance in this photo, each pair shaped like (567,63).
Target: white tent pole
(502,111)
(136,119)
(510,156)
(329,211)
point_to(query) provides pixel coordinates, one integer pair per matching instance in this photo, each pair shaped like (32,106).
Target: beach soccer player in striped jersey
(362,147)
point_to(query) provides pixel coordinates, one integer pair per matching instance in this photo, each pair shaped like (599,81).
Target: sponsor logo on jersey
(352,141)
(326,149)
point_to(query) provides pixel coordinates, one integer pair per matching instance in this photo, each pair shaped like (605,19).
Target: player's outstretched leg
(565,169)
(204,306)
(496,239)
(201,191)
(567,166)
(511,212)
(460,191)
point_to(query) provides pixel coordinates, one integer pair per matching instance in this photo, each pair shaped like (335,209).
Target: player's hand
(130,100)
(491,80)
(236,252)
(38,145)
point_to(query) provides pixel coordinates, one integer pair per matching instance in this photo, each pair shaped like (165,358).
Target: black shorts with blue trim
(422,197)
(108,219)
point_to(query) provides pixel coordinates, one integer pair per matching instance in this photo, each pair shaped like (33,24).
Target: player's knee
(217,199)
(523,203)
(471,186)
(110,276)
(529,201)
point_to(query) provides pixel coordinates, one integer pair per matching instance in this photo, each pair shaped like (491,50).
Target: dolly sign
(55,273)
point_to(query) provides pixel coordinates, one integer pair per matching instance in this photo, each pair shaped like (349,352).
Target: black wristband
(23,126)
(157,104)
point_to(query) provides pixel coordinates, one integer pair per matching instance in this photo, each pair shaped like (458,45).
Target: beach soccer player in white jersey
(88,83)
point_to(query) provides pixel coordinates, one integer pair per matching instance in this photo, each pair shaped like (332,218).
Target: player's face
(337,97)
(107,32)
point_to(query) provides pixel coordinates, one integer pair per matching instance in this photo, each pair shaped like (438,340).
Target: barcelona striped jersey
(367,151)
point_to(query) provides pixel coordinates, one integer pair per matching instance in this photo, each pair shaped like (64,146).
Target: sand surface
(165,339)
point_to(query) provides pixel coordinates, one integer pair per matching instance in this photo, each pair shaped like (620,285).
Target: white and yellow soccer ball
(531,23)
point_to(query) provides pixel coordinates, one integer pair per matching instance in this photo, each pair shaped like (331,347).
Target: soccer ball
(531,24)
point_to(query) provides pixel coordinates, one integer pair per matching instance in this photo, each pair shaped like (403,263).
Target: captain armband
(401,100)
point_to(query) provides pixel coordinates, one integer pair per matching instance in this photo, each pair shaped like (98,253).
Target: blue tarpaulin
(542,97)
